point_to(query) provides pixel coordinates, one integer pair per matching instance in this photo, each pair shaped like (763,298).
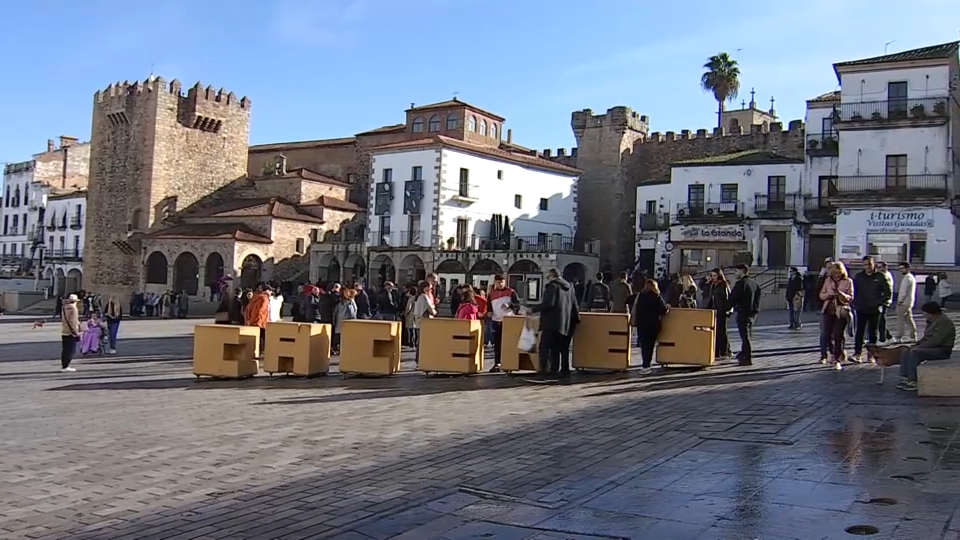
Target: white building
(15,243)
(743,207)
(62,236)
(456,199)
(897,120)
(822,153)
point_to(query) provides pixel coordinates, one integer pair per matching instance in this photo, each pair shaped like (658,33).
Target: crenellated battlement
(121,93)
(794,129)
(618,119)
(548,153)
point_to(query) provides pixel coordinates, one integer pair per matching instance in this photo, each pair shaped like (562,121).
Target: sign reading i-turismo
(900,221)
(711,234)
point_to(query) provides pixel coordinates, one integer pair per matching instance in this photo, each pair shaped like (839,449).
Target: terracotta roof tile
(273,207)
(212,231)
(450,103)
(826,98)
(497,153)
(303,173)
(934,52)
(335,204)
(395,128)
(297,145)
(748,157)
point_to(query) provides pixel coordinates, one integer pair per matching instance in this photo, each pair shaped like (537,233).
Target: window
(7,202)
(63,243)
(388,175)
(13,249)
(384,230)
(351,178)
(462,226)
(896,173)
(6,224)
(50,243)
(544,203)
(729,193)
(16,197)
(828,188)
(777,188)
(434,124)
(413,230)
(483,127)
(416,173)
(16,220)
(493,131)
(651,207)
(4,249)
(464,182)
(499,175)
(542,240)
(418,125)
(472,123)
(452,122)
(26,191)
(301,245)
(695,196)
(897,99)
(517,201)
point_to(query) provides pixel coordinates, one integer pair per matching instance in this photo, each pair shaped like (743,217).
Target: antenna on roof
(887,45)
(455,94)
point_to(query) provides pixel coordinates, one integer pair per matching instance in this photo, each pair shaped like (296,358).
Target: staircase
(43,308)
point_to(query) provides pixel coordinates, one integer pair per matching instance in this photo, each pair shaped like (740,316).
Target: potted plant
(940,108)
(813,144)
(830,142)
(917,111)
(450,243)
(876,116)
(855,117)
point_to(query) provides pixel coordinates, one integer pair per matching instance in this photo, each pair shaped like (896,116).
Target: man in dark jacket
(388,302)
(558,318)
(599,295)
(745,299)
(936,344)
(364,309)
(871,291)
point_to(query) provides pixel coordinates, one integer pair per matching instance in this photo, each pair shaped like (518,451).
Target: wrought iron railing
(710,210)
(655,222)
(785,203)
(893,109)
(897,185)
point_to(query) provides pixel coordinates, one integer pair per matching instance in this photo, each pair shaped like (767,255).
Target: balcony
(62,226)
(823,145)
(911,188)
(52,226)
(818,209)
(655,222)
(710,212)
(72,255)
(872,114)
(76,222)
(400,239)
(778,206)
(13,231)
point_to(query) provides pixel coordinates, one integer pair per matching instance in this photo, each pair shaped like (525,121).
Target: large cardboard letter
(686,337)
(298,348)
(370,347)
(602,341)
(225,351)
(451,346)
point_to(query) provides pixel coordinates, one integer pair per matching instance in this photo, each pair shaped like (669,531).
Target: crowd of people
(96,334)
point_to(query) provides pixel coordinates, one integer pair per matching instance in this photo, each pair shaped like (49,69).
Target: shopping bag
(528,338)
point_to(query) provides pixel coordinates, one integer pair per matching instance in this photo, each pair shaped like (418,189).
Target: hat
(72,298)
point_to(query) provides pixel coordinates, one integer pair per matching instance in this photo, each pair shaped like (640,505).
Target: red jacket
(468,311)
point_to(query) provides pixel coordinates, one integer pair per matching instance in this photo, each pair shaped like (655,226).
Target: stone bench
(940,378)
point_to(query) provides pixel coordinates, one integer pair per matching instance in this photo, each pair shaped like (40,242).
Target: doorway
(776,248)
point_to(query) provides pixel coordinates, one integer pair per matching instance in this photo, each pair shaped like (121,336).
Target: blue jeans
(914,356)
(112,328)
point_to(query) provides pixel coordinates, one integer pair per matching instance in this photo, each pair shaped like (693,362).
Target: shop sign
(896,221)
(701,233)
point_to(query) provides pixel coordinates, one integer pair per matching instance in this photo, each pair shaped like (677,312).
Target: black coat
(648,312)
(745,297)
(326,305)
(794,286)
(388,302)
(717,297)
(364,309)
(870,292)
(558,311)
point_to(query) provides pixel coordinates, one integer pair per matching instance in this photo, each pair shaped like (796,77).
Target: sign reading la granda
(896,221)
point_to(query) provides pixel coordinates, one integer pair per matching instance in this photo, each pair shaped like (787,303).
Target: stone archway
(157,268)
(186,273)
(251,271)
(382,269)
(482,273)
(574,272)
(60,282)
(524,266)
(353,268)
(74,281)
(450,266)
(213,269)
(412,270)
(328,269)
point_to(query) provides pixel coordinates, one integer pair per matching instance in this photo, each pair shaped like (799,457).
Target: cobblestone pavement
(132,447)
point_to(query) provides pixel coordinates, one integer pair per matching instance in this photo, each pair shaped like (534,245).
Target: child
(468,306)
(90,340)
(346,310)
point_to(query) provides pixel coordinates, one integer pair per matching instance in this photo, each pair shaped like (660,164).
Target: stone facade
(66,166)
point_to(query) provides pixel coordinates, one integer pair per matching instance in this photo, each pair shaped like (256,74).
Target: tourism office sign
(893,221)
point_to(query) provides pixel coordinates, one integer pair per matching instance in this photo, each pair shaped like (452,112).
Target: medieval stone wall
(64,167)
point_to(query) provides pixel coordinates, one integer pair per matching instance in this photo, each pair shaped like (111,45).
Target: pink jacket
(468,311)
(832,286)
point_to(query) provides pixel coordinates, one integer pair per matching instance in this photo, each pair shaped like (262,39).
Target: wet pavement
(132,447)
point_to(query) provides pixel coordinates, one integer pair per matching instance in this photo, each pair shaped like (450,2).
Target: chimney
(412,104)
(51,146)
(66,141)
(509,136)
(280,165)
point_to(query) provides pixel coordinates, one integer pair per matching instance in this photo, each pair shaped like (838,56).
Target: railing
(62,225)
(823,144)
(13,231)
(52,226)
(817,208)
(400,239)
(64,254)
(655,222)
(553,243)
(893,109)
(906,185)
(76,221)
(782,204)
(710,210)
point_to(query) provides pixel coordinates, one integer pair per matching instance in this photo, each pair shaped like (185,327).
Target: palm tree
(722,78)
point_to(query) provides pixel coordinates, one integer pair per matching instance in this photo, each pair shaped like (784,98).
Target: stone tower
(604,141)
(154,151)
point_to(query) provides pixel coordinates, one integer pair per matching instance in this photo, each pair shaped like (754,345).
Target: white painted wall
(9,242)
(922,82)
(864,152)
(854,228)
(493,195)
(815,117)
(69,239)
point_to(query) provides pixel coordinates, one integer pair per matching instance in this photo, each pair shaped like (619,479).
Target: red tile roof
(450,103)
(303,173)
(496,153)
(934,52)
(395,128)
(336,204)
(212,231)
(298,145)
(273,207)
(826,98)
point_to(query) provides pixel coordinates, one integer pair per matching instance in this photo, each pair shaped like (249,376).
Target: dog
(886,356)
(38,324)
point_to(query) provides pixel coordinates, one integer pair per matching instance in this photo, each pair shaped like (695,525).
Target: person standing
(718,299)
(69,332)
(836,296)
(906,296)
(362,300)
(649,309)
(944,290)
(745,299)
(620,292)
(884,332)
(276,304)
(936,344)
(794,298)
(600,295)
(388,302)
(687,289)
(872,293)
(556,324)
(346,310)
(502,300)
(423,308)
(929,288)
(468,308)
(113,315)
(257,313)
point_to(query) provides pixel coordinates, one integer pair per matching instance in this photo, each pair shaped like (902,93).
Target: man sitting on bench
(936,344)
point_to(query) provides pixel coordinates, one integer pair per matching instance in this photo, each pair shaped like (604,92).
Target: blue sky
(331,68)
